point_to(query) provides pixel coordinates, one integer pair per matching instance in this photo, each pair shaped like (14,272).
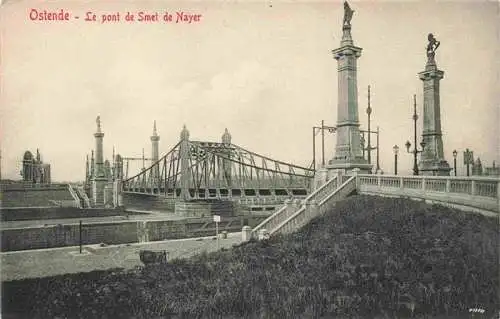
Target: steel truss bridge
(209,170)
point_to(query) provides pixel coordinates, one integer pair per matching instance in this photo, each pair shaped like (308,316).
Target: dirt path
(58,261)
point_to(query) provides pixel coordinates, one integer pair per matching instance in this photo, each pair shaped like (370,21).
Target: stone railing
(81,192)
(478,193)
(292,206)
(313,208)
(75,196)
(475,192)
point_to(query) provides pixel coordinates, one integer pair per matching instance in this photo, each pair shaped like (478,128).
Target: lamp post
(316,129)
(378,169)
(369,112)
(370,148)
(415,150)
(396,150)
(455,153)
(468,159)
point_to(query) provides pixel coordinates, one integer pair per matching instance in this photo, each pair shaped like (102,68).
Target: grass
(370,257)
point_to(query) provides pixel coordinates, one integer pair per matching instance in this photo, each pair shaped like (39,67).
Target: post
(323,142)
(455,153)
(396,150)
(369,112)
(415,117)
(396,164)
(314,150)
(80,240)
(217,220)
(378,149)
(217,233)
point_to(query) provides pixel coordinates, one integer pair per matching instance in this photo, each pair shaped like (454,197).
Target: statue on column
(432,46)
(348,12)
(98,121)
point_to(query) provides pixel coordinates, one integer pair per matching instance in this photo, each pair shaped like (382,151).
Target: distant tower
(348,152)
(87,169)
(227,152)
(184,154)
(28,164)
(107,170)
(92,165)
(477,167)
(99,177)
(99,157)
(155,138)
(432,160)
(118,171)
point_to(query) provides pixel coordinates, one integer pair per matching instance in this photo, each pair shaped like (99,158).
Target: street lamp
(415,150)
(323,127)
(369,112)
(396,150)
(455,153)
(468,159)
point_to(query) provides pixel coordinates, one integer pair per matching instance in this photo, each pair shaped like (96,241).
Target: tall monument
(155,138)
(99,179)
(432,160)
(184,158)
(348,151)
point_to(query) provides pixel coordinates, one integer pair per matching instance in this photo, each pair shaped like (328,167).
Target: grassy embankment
(368,258)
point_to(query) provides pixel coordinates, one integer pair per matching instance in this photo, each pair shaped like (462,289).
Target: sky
(263,69)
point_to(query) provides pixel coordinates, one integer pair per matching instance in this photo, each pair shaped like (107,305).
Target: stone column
(348,152)
(155,173)
(99,176)
(184,153)
(226,164)
(99,157)
(432,160)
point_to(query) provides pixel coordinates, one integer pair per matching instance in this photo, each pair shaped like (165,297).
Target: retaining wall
(119,232)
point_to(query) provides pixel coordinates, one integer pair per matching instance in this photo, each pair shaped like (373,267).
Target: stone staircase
(297,213)
(83,198)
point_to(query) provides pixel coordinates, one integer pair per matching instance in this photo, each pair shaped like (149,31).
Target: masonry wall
(147,203)
(68,235)
(118,232)
(33,213)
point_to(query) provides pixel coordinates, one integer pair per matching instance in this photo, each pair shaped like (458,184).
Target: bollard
(246,233)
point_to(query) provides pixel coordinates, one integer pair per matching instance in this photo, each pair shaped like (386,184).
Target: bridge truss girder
(217,170)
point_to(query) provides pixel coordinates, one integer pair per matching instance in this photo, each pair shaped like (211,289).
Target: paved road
(57,261)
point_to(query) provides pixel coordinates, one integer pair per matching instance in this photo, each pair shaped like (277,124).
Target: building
(492,171)
(34,170)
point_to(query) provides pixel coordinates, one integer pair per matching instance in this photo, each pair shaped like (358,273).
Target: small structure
(34,170)
(477,167)
(492,171)
(149,257)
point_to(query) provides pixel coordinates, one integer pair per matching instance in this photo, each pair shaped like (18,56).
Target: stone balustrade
(481,193)
(291,207)
(316,205)
(477,193)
